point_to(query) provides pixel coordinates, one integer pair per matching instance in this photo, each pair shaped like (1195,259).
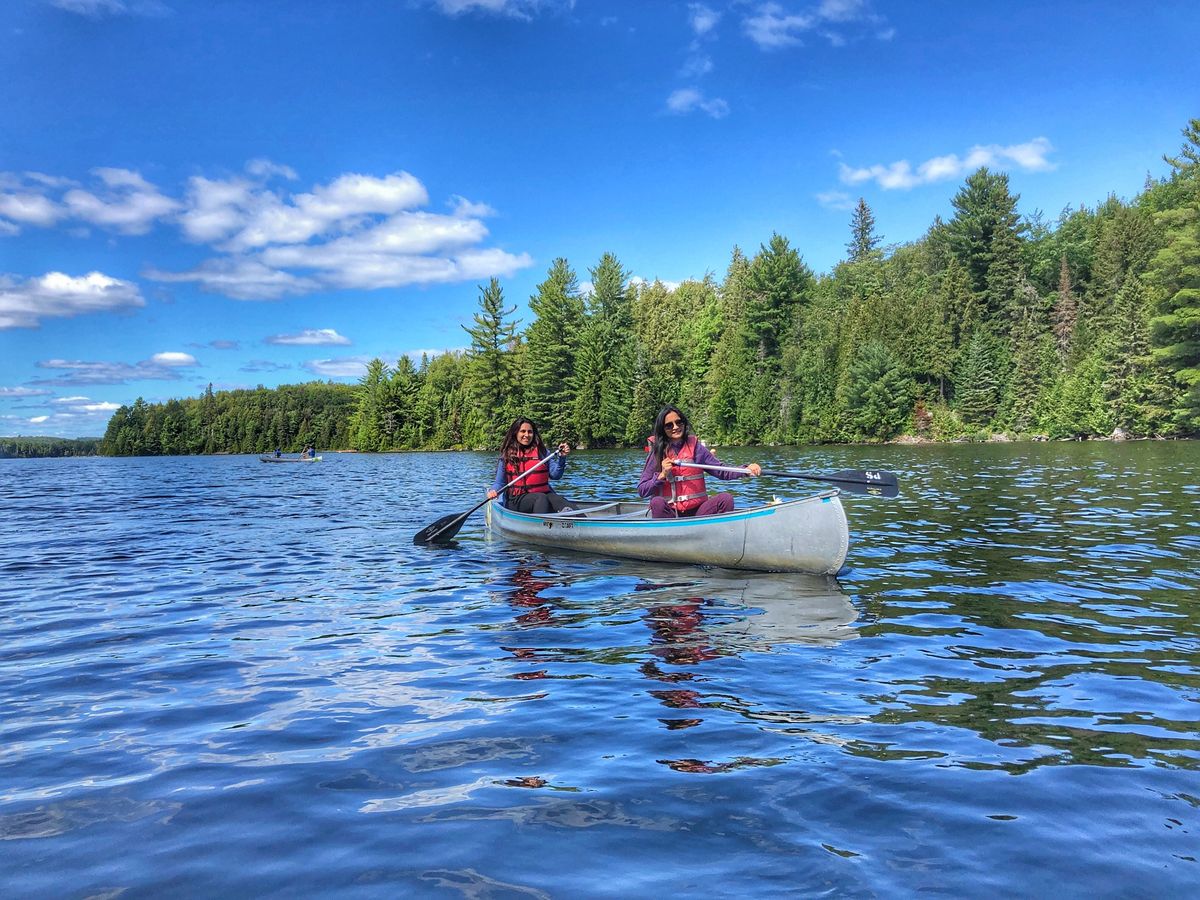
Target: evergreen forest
(29,447)
(994,322)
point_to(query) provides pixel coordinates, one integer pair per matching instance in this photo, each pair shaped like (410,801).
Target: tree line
(30,447)
(992,322)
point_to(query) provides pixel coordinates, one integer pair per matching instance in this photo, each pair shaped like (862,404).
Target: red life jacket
(535,483)
(684,488)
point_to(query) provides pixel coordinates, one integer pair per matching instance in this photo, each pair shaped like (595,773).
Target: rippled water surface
(224,678)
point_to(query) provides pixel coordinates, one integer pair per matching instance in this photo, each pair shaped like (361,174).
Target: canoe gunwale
(808,534)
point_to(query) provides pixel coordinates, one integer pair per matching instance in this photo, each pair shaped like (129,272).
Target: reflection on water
(253,683)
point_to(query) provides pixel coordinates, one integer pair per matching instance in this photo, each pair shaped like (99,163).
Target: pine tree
(863,240)
(1175,273)
(552,350)
(493,386)
(1065,311)
(880,397)
(605,369)
(984,210)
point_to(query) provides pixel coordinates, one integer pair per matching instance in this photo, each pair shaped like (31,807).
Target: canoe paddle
(447,527)
(875,482)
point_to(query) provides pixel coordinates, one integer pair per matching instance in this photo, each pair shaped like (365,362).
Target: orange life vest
(536,482)
(684,488)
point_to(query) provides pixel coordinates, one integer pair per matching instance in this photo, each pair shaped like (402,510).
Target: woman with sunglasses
(521,452)
(674,488)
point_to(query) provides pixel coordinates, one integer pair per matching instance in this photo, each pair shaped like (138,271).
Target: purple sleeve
(649,481)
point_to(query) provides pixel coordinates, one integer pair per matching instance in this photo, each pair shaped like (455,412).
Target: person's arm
(499,481)
(706,457)
(649,481)
(556,467)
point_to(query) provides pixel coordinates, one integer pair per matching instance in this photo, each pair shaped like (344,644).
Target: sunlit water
(222,678)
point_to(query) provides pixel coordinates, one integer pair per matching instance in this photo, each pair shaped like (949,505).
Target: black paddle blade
(875,482)
(443,529)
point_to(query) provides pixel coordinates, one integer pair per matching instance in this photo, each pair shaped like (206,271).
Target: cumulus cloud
(689,100)
(310,337)
(356,231)
(344,367)
(23,304)
(902,175)
(160,367)
(127,203)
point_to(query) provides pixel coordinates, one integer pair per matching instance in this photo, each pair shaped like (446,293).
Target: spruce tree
(863,240)
(493,386)
(552,350)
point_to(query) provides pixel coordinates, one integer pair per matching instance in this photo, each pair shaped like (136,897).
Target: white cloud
(265,168)
(22,392)
(772,27)
(461,206)
(839,200)
(356,231)
(131,205)
(703,19)
(69,400)
(344,367)
(513,9)
(23,304)
(30,209)
(37,420)
(688,100)
(901,175)
(173,358)
(696,66)
(241,279)
(99,9)
(311,337)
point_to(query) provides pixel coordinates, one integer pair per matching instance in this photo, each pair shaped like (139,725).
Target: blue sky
(267,192)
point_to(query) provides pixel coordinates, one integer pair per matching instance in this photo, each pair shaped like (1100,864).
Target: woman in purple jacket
(674,488)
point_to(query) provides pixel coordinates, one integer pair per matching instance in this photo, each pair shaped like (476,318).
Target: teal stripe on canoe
(642,523)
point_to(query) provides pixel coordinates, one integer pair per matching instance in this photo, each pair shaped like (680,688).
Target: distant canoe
(289,459)
(808,535)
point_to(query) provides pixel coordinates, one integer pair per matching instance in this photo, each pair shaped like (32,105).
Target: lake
(223,678)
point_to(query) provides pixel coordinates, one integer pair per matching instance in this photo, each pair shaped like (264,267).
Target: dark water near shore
(222,678)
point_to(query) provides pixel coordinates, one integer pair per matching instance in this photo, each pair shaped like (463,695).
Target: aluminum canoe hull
(808,535)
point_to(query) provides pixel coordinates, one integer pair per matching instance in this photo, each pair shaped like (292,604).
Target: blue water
(222,678)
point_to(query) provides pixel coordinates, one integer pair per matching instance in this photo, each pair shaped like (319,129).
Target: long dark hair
(660,438)
(510,447)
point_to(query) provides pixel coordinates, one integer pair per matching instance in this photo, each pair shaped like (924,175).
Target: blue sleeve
(556,467)
(499,481)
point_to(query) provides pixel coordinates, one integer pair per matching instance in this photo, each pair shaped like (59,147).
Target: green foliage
(290,418)
(880,394)
(34,447)
(988,323)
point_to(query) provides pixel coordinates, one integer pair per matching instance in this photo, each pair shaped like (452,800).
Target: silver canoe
(808,535)
(279,459)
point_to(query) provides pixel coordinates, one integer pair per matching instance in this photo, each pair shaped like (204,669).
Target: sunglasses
(672,424)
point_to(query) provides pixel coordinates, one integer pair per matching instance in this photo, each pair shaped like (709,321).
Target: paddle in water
(447,527)
(875,482)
